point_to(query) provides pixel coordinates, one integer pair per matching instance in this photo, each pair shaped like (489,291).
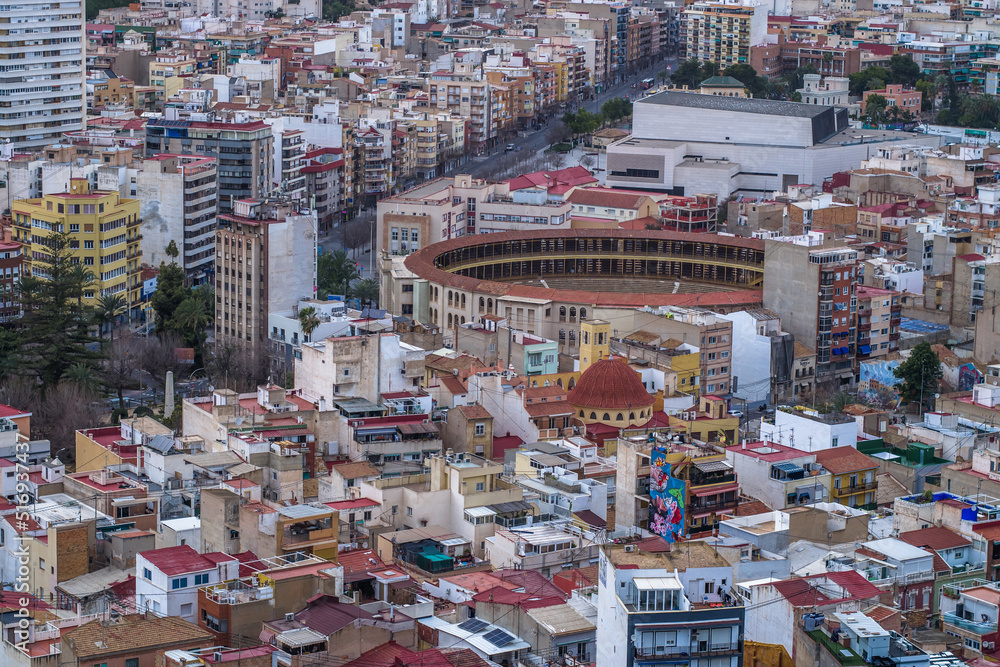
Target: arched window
(583,313)
(581,414)
(449,320)
(593,415)
(482,304)
(558,382)
(606,417)
(489,305)
(463,301)
(562,313)
(631,416)
(450,297)
(463,319)
(572,383)
(619,418)
(572,314)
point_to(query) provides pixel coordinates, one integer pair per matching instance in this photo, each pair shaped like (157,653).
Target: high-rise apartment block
(243,148)
(42,78)
(722,32)
(179,195)
(810,283)
(265,259)
(104,230)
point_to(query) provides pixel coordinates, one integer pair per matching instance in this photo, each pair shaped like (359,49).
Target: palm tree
(308,320)
(366,291)
(108,308)
(82,376)
(192,318)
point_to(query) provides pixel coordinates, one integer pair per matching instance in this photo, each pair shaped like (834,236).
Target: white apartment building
(167,580)
(43,75)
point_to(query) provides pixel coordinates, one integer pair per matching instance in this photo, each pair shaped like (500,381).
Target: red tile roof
(183,559)
(610,385)
(530,580)
(500,595)
(840,460)
(934,537)
(607,198)
(805,591)
(358,564)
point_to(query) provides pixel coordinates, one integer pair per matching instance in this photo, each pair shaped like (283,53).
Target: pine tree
(54,323)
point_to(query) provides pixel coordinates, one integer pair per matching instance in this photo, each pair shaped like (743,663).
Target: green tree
(335,273)
(53,336)
(82,376)
(172,252)
(367,292)
(688,73)
(929,91)
(308,320)
(875,106)
(742,72)
(903,69)
(190,320)
(169,294)
(613,111)
(872,78)
(709,69)
(109,306)
(795,80)
(920,374)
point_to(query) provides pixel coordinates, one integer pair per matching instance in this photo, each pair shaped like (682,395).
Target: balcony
(699,651)
(971,626)
(855,488)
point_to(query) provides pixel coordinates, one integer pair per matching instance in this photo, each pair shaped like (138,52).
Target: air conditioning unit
(289,616)
(629,548)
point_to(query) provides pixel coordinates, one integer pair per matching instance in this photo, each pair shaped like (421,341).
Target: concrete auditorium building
(687,143)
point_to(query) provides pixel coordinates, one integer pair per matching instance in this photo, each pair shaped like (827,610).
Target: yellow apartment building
(104,236)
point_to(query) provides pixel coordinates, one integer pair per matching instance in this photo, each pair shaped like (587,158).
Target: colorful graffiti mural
(877,382)
(968,376)
(667,515)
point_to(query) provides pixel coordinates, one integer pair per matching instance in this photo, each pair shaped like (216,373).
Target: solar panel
(473,625)
(498,638)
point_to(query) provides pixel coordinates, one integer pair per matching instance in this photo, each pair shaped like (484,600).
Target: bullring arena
(546,281)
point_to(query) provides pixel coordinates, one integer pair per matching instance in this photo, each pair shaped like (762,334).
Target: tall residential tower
(42,76)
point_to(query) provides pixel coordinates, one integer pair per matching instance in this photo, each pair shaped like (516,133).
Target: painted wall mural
(667,509)
(877,383)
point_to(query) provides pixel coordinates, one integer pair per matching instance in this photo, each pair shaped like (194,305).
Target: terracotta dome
(610,385)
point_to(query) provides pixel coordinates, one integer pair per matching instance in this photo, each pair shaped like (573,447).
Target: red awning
(715,490)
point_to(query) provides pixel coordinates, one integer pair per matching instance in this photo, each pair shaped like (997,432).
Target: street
(531,141)
(534,141)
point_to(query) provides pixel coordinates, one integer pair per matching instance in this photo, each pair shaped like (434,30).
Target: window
(480,486)
(147,574)
(409,511)
(200,579)
(480,429)
(180,582)
(132,662)
(187,609)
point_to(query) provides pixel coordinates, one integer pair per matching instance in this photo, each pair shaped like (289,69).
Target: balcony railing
(972,626)
(855,488)
(668,652)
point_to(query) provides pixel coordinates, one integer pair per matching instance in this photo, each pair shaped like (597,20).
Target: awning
(713,466)
(512,506)
(865,349)
(376,430)
(715,490)
(417,429)
(702,515)
(480,512)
